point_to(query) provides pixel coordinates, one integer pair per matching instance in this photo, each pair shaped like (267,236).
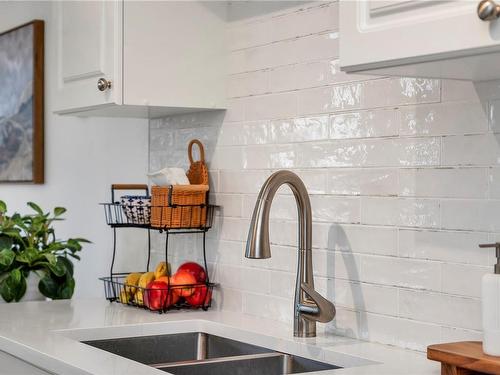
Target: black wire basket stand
(119,215)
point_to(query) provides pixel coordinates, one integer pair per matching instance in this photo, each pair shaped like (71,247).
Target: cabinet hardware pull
(488,10)
(103,84)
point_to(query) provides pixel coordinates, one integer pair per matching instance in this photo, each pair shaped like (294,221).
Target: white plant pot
(32,292)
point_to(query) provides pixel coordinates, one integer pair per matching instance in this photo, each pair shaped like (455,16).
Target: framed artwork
(22,104)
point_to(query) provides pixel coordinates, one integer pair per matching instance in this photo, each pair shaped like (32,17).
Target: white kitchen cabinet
(419,38)
(139,59)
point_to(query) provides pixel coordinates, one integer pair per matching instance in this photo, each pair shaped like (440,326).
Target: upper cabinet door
(426,38)
(89,38)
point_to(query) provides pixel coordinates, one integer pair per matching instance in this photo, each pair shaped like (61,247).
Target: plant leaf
(20,289)
(48,287)
(35,207)
(28,255)
(67,263)
(6,290)
(15,275)
(67,289)
(13,286)
(51,258)
(73,245)
(58,269)
(74,256)
(7,256)
(82,240)
(5,242)
(58,211)
(3,207)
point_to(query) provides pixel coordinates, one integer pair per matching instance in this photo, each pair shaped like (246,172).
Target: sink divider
(216,360)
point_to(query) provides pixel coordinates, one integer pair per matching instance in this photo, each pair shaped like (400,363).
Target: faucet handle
(323,311)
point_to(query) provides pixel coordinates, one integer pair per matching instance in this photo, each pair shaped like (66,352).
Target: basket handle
(190,150)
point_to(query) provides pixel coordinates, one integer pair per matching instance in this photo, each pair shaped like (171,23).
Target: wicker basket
(183,206)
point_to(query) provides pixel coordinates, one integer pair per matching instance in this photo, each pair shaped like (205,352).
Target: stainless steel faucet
(309,305)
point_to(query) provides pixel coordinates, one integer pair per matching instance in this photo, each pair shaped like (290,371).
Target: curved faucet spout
(258,235)
(309,306)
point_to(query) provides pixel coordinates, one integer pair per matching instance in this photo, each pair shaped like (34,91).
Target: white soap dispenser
(491,307)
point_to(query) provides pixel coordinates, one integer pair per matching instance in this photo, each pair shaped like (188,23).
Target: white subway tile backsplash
(245,84)
(404,333)
(450,334)
(305,22)
(363,181)
(444,119)
(402,212)
(463,91)
(483,149)
(403,176)
(317,73)
(356,238)
(256,280)
(481,215)
(336,265)
(365,297)
(390,92)
(244,133)
(445,246)
(335,209)
(299,129)
(400,272)
(242,181)
(463,279)
(444,182)
(438,308)
(364,124)
(494,182)
(330,99)
(282,284)
(231,204)
(271,106)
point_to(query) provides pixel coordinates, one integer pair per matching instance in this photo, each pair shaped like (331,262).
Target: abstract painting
(21,103)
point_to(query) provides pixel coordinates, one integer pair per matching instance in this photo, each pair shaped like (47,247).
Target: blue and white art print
(21,111)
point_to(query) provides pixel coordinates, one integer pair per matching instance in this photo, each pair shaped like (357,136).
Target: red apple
(172,298)
(155,295)
(196,270)
(201,296)
(182,282)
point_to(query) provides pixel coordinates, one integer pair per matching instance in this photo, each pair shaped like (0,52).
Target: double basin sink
(200,353)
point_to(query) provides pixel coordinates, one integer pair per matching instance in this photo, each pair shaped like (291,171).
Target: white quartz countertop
(47,335)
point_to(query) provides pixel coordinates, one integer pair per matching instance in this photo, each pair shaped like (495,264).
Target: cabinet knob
(488,10)
(103,84)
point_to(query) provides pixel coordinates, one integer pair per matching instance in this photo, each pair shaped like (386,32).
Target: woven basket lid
(198,172)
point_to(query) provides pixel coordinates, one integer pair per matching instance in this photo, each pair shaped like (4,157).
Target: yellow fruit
(124,296)
(132,280)
(139,297)
(144,280)
(162,269)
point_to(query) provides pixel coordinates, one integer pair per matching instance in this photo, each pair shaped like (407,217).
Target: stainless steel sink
(258,364)
(175,347)
(200,353)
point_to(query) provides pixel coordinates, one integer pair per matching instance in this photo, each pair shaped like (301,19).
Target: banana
(144,280)
(132,280)
(124,296)
(162,269)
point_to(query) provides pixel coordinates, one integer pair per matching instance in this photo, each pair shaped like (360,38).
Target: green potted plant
(28,244)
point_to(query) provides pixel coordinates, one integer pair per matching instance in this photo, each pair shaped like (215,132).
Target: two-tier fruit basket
(178,209)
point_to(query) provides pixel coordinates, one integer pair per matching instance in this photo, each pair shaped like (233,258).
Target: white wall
(83,157)
(403,176)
